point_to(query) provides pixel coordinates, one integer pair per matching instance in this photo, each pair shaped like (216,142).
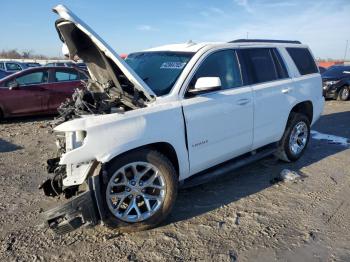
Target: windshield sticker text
(172,65)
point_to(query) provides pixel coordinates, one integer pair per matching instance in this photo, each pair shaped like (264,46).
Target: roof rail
(264,41)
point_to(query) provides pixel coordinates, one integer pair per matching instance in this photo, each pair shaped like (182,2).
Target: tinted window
(32,78)
(61,76)
(159,70)
(13,67)
(259,65)
(303,60)
(279,63)
(2,66)
(222,64)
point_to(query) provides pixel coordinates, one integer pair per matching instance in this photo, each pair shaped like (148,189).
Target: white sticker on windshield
(172,65)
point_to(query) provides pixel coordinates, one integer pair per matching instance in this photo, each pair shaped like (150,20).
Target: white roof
(184,47)
(194,47)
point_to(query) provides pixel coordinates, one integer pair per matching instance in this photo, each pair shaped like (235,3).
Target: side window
(62,76)
(280,65)
(259,65)
(222,64)
(2,66)
(303,60)
(32,78)
(13,67)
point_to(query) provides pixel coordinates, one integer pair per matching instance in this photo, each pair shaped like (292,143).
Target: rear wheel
(295,138)
(139,190)
(344,93)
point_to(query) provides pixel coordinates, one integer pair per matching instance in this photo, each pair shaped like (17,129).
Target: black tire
(170,177)
(284,151)
(344,93)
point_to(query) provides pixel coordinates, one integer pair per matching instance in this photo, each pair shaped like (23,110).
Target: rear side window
(279,63)
(2,66)
(62,76)
(259,65)
(303,60)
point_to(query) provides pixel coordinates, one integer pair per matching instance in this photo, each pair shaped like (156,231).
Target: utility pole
(247,35)
(346,49)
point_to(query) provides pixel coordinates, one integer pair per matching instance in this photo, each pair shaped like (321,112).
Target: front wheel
(344,93)
(139,190)
(295,138)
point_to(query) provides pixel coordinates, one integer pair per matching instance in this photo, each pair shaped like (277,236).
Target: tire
(344,93)
(115,208)
(286,152)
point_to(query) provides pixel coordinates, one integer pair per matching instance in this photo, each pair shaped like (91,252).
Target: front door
(27,97)
(219,124)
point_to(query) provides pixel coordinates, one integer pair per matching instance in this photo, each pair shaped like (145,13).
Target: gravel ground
(244,216)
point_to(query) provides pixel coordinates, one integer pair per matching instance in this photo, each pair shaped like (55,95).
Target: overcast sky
(135,25)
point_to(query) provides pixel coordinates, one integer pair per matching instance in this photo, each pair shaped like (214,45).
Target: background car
(12,66)
(32,64)
(336,82)
(3,74)
(322,69)
(38,90)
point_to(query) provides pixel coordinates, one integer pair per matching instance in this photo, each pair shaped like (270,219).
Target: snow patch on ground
(331,138)
(289,175)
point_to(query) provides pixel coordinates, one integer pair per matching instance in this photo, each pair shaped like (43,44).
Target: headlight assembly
(74,139)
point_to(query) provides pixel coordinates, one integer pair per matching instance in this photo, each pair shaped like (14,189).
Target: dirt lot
(242,217)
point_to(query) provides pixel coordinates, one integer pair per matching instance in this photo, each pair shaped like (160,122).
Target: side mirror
(206,84)
(13,85)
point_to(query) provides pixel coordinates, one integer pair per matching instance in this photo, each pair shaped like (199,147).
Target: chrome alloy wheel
(135,191)
(345,94)
(298,138)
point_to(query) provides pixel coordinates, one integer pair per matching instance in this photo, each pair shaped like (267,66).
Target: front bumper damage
(84,207)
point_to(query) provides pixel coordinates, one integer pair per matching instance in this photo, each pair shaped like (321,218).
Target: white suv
(171,116)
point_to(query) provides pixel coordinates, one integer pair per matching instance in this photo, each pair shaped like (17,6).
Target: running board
(228,166)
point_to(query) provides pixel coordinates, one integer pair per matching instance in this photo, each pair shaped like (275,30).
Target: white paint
(331,138)
(220,124)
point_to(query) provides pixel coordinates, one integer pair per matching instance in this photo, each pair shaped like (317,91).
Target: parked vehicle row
(38,90)
(14,66)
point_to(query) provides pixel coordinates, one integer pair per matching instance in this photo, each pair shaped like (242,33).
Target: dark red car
(38,90)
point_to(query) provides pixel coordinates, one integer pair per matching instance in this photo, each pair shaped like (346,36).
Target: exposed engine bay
(108,90)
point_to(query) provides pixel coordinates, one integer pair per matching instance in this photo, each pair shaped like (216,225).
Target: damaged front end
(113,88)
(78,183)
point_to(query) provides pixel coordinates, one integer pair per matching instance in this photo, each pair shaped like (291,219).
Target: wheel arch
(305,107)
(164,148)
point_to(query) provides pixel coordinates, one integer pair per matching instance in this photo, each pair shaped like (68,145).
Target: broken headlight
(74,139)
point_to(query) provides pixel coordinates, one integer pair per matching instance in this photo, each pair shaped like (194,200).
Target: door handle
(286,90)
(243,101)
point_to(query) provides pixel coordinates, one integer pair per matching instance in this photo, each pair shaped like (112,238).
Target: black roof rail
(265,41)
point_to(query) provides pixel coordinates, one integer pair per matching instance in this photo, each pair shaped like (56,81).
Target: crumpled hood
(106,67)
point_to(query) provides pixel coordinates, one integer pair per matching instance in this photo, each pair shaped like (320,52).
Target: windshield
(337,72)
(159,70)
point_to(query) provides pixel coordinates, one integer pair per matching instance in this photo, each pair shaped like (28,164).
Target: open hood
(106,67)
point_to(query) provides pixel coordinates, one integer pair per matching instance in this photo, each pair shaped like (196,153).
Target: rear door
(28,97)
(272,88)
(63,82)
(219,124)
